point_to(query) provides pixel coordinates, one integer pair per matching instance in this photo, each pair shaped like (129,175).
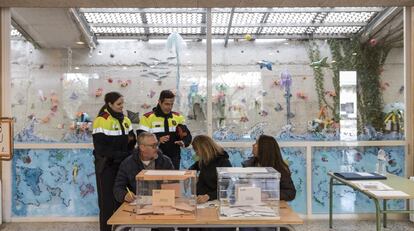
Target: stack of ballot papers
(371,185)
(247,211)
(379,189)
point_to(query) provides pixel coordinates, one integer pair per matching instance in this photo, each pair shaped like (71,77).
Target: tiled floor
(319,225)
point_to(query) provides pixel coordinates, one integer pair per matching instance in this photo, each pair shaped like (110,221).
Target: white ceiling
(201,3)
(48,27)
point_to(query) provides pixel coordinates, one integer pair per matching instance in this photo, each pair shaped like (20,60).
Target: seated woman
(210,156)
(266,153)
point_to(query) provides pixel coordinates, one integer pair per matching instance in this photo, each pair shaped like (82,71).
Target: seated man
(147,156)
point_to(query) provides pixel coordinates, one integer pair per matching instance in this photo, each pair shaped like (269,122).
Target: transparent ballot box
(166,194)
(248,193)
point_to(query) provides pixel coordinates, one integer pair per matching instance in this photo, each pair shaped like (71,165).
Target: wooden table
(206,218)
(396,182)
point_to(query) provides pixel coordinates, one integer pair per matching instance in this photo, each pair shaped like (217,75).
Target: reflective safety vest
(110,126)
(155,124)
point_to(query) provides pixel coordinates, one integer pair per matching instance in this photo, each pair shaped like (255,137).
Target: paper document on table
(364,173)
(372,185)
(389,193)
(134,202)
(164,173)
(246,170)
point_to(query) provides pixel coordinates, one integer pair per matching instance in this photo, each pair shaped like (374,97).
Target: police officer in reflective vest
(113,141)
(168,126)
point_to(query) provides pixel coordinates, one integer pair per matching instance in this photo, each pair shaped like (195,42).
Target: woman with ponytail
(113,141)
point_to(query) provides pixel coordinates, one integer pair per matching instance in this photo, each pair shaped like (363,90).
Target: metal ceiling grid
(157,23)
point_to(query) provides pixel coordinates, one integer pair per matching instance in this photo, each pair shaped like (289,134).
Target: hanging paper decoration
(124,83)
(373,42)
(176,42)
(133,116)
(265,63)
(42,97)
(330,93)
(301,95)
(145,106)
(286,82)
(99,92)
(151,94)
(321,63)
(248,37)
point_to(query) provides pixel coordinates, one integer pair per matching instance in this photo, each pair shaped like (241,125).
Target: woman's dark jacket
(207,179)
(111,139)
(130,167)
(287,188)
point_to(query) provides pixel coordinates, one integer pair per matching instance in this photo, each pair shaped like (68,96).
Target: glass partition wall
(275,71)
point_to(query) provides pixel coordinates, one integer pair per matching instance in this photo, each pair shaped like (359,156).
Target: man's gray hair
(142,135)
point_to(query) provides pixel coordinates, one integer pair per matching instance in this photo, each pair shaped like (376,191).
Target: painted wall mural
(54,182)
(361,159)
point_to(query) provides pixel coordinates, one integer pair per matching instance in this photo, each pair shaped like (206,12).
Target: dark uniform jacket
(172,124)
(207,179)
(110,139)
(287,188)
(129,168)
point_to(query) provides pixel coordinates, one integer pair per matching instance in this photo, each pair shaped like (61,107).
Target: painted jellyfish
(176,42)
(286,82)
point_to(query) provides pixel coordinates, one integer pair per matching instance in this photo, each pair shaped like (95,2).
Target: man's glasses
(151,145)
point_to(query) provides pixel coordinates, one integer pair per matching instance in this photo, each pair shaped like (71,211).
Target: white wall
(33,70)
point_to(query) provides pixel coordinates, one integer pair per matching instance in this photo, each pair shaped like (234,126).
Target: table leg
(384,208)
(288,227)
(330,201)
(378,214)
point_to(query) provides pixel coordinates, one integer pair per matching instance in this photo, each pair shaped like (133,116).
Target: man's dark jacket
(130,167)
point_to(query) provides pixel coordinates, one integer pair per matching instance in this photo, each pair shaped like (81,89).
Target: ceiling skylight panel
(247,18)
(283,30)
(337,30)
(320,17)
(349,17)
(113,17)
(169,30)
(243,30)
(282,18)
(118,30)
(220,18)
(218,30)
(173,18)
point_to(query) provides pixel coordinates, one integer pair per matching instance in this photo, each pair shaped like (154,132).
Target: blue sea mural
(361,159)
(54,182)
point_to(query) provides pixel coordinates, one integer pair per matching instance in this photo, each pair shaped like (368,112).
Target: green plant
(367,59)
(318,72)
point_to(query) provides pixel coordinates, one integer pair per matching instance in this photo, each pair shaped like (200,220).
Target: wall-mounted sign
(6,138)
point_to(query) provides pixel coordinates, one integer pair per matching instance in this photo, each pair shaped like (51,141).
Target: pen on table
(129,192)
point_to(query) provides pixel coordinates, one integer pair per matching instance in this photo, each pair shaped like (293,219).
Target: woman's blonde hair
(206,148)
